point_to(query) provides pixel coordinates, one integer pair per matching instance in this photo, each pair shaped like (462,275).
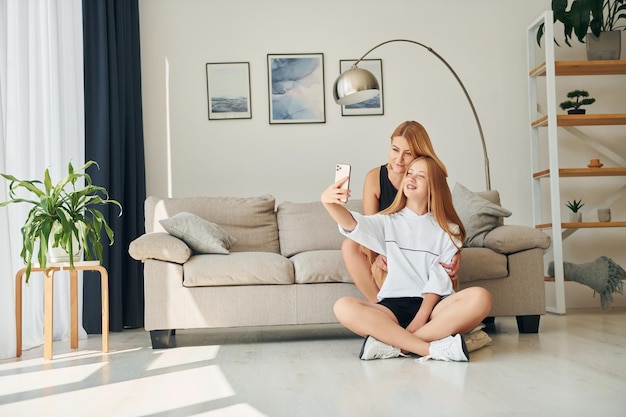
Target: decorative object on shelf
(595,163)
(575,216)
(296,88)
(604,215)
(606,46)
(62,215)
(357,84)
(601,17)
(573,107)
(603,275)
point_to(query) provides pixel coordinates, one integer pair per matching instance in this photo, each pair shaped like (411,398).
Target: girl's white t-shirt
(414,245)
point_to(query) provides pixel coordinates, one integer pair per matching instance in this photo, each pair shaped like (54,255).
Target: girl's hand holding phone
(336,194)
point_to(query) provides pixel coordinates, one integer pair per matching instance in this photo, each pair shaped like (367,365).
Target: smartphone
(343,171)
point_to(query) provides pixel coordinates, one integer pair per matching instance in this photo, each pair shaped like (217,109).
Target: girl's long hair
(418,141)
(439,199)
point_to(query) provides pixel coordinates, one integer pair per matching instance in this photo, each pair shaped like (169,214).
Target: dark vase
(576,111)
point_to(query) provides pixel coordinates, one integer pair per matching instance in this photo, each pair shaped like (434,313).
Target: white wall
(483,40)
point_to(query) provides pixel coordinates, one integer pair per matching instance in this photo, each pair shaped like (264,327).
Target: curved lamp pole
(356,85)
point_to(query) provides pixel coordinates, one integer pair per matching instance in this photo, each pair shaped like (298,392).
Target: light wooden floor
(575,366)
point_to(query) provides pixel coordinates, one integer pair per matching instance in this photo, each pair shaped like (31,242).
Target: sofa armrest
(160,246)
(510,239)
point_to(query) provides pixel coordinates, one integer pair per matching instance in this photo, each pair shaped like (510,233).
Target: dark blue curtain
(114,139)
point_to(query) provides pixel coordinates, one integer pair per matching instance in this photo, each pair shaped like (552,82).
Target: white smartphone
(343,171)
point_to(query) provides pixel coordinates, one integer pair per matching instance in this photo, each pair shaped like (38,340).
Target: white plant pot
(59,255)
(576,217)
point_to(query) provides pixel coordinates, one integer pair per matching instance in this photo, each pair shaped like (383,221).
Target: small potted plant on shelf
(575,205)
(603,18)
(62,217)
(582,99)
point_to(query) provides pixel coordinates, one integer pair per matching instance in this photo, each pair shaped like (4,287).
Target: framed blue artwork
(296,88)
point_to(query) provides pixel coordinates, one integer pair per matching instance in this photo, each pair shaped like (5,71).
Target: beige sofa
(286,267)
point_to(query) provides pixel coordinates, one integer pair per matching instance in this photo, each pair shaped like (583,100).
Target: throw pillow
(200,235)
(479,215)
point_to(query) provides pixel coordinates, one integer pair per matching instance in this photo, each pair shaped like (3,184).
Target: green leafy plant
(581,100)
(61,215)
(575,205)
(584,15)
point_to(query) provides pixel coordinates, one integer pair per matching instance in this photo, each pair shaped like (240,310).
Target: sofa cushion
(307,226)
(320,266)
(237,268)
(510,239)
(250,220)
(479,215)
(482,263)
(161,246)
(201,235)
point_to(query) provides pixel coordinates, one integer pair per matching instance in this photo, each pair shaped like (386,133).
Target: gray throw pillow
(479,215)
(200,235)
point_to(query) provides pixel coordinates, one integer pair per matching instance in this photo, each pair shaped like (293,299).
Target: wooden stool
(48,304)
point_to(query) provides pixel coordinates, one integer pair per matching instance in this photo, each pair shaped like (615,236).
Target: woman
(408,141)
(417,310)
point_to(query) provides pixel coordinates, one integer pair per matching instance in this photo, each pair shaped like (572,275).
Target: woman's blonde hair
(418,140)
(439,199)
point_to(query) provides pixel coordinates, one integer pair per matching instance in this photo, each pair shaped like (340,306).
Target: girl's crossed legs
(460,312)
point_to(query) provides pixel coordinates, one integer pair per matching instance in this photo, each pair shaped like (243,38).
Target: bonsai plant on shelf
(575,206)
(62,216)
(597,16)
(582,99)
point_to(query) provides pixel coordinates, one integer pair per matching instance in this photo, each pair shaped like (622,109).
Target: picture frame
(228,90)
(296,88)
(374,106)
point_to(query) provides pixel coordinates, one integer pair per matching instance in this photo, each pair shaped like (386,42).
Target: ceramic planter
(606,46)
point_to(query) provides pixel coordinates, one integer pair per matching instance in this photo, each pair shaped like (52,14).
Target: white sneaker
(451,348)
(375,349)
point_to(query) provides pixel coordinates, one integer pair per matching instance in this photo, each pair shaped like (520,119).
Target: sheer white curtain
(41,126)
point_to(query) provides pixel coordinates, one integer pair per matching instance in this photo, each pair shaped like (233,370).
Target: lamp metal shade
(354,86)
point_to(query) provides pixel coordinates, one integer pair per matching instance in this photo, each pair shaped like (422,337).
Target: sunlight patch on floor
(182,355)
(142,396)
(239,410)
(47,378)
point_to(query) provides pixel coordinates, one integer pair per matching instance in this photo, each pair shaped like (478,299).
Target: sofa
(222,262)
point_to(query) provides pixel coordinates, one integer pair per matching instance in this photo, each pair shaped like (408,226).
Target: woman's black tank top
(387,190)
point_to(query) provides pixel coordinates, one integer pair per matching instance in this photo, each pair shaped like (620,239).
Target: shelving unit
(551,122)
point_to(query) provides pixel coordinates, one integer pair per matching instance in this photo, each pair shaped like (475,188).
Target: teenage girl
(417,310)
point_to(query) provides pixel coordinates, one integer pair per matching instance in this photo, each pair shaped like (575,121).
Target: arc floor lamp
(356,85)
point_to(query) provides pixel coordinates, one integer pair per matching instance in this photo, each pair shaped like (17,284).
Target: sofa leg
(162,339)
(490,323)
(528,324)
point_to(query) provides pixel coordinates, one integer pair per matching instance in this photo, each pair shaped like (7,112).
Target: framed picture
(373,106)
(296,88)
(228,90)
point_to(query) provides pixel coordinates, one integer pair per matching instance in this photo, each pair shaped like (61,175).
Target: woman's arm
(371,192)
(332,199)
(453,267)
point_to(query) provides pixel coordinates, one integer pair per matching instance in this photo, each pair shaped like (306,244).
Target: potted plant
(582,99)
(601,17)
(575,206)
(62,216)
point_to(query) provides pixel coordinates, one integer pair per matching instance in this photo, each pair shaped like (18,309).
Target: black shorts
(404,308)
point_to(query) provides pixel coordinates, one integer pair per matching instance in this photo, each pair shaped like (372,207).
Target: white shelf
(548,70)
